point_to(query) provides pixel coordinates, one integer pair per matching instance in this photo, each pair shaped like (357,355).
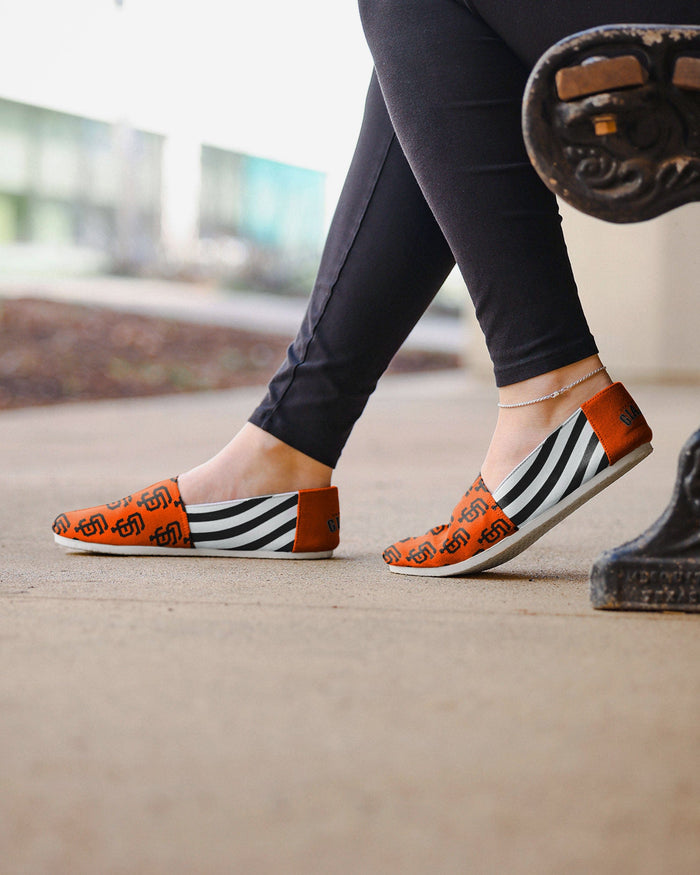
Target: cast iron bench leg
(659,570)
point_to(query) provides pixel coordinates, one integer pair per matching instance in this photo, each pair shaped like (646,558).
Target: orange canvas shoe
(598,443)
(155,521)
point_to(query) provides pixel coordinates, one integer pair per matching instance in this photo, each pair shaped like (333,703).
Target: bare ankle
(557,390)
(522,425)
(253,463)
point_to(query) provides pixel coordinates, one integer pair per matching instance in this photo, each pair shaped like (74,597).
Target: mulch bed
(52,352)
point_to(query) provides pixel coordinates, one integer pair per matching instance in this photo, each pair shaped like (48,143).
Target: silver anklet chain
(558,391)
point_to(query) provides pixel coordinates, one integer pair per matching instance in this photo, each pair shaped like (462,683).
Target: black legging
(440,174)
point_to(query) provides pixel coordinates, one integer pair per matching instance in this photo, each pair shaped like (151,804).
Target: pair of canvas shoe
(611,118)
(601,440)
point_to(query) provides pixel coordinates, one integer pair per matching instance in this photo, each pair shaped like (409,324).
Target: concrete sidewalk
(242,716)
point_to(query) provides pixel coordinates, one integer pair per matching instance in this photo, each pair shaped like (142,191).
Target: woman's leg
(384,261)
(453,89)
(453,83)
(466,108)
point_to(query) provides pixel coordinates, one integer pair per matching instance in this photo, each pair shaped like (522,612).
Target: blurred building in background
(92,195)
(266,216)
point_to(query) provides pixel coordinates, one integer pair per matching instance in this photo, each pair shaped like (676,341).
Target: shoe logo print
(333,524)
(391,554)
(438,530)
(123,502)
(96,525)
(472,512)
(61,524)
(497,530)
(421,553)
(155,499)
(629,414)
(167,536)
(458,540)
(479,486)
(130,526)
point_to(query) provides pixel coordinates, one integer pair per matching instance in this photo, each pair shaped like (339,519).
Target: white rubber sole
(192,552)
(530,532)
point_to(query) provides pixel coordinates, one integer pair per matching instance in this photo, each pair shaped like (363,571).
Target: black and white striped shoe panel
(571,456)
(267,524)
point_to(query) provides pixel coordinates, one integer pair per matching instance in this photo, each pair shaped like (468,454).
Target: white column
(181,182)
(640,288)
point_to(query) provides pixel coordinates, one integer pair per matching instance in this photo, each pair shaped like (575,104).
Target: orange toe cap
(153,517)
(477,523)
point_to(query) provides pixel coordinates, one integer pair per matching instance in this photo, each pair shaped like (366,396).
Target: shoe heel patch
(318,521)
(617,421)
